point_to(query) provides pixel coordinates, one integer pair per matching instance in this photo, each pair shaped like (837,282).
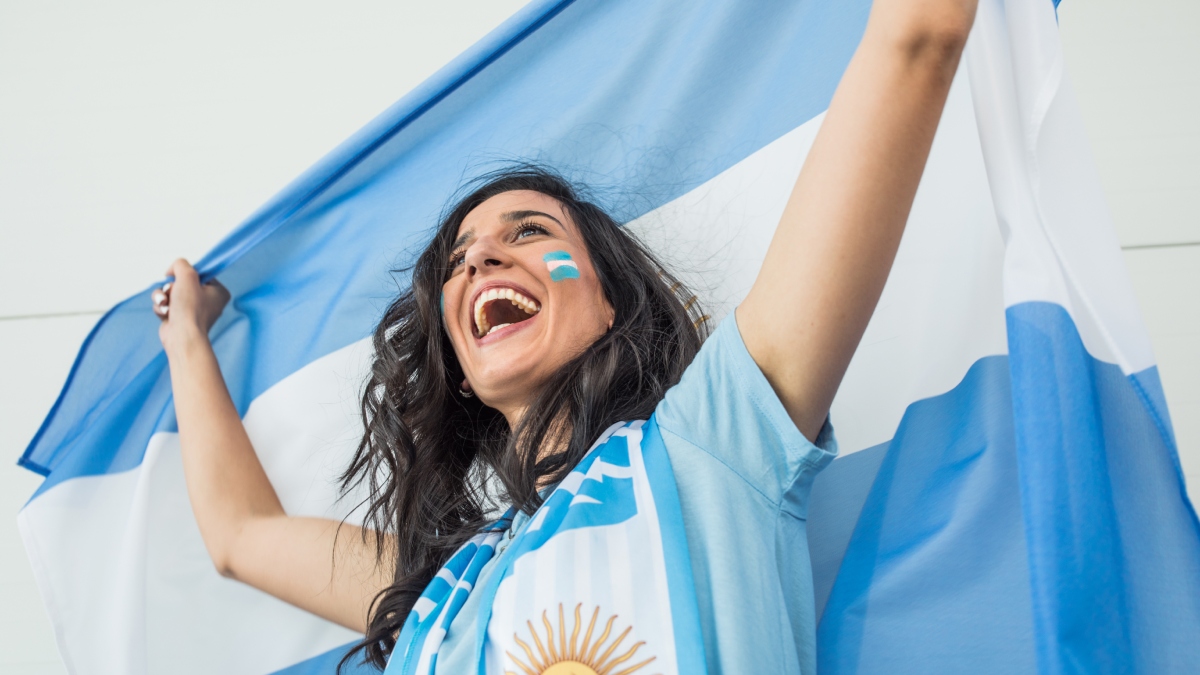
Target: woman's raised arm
(304,561)
(836,241)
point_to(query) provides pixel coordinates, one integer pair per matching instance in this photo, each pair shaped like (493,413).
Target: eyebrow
(462,240)
(515,216)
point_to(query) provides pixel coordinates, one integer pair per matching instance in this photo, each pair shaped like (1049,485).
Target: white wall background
(133,131)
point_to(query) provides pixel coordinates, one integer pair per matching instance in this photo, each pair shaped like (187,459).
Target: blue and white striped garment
(597,579)
(1008,496)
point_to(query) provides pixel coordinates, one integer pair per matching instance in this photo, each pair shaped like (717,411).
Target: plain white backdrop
(134,132)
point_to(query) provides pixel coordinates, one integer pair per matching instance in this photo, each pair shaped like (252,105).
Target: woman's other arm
(834,246)
(307,562)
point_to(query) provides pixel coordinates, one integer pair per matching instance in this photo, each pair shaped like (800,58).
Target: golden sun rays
(560,655)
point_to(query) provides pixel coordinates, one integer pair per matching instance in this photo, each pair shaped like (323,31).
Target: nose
(485,255)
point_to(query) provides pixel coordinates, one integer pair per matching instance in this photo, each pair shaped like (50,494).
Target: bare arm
(836,241)
(304,561)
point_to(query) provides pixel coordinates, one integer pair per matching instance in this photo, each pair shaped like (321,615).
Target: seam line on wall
(1180,244)
(51,315)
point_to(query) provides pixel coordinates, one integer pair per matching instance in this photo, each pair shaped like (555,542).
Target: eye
(528,230)
(457,258)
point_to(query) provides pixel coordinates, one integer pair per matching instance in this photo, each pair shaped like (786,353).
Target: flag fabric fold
(1009,498)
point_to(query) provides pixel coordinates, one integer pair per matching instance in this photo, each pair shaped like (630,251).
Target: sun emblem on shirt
(563,655)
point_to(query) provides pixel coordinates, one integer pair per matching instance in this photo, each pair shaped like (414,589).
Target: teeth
(528,305)
(496,328)
(480,322)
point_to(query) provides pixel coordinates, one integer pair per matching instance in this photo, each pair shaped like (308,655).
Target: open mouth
(501,306)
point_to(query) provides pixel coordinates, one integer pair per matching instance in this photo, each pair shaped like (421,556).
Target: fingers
(193,302)
(161,300)
(181,272)
(181,267)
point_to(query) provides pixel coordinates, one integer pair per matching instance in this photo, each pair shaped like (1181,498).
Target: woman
(533,327)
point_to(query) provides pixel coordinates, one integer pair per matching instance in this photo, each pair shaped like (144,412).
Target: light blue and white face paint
(561,266)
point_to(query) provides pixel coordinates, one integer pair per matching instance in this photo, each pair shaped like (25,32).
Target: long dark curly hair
(432,460)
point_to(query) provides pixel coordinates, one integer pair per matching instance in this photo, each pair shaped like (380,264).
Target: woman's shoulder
(725,407)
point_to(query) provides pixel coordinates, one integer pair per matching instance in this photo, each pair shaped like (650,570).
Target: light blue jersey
(743,473)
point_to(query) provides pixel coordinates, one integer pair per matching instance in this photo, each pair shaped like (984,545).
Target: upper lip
(498,283)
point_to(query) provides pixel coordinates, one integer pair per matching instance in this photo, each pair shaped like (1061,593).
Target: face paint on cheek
(561,266)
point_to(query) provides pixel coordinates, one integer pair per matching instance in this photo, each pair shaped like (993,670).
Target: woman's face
(522,298)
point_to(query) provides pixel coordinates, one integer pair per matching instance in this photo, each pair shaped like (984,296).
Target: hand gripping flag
(1009,499)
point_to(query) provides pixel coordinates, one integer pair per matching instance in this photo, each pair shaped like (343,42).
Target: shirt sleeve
(724,406)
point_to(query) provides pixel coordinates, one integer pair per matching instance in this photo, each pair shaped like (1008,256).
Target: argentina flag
(1008,496)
